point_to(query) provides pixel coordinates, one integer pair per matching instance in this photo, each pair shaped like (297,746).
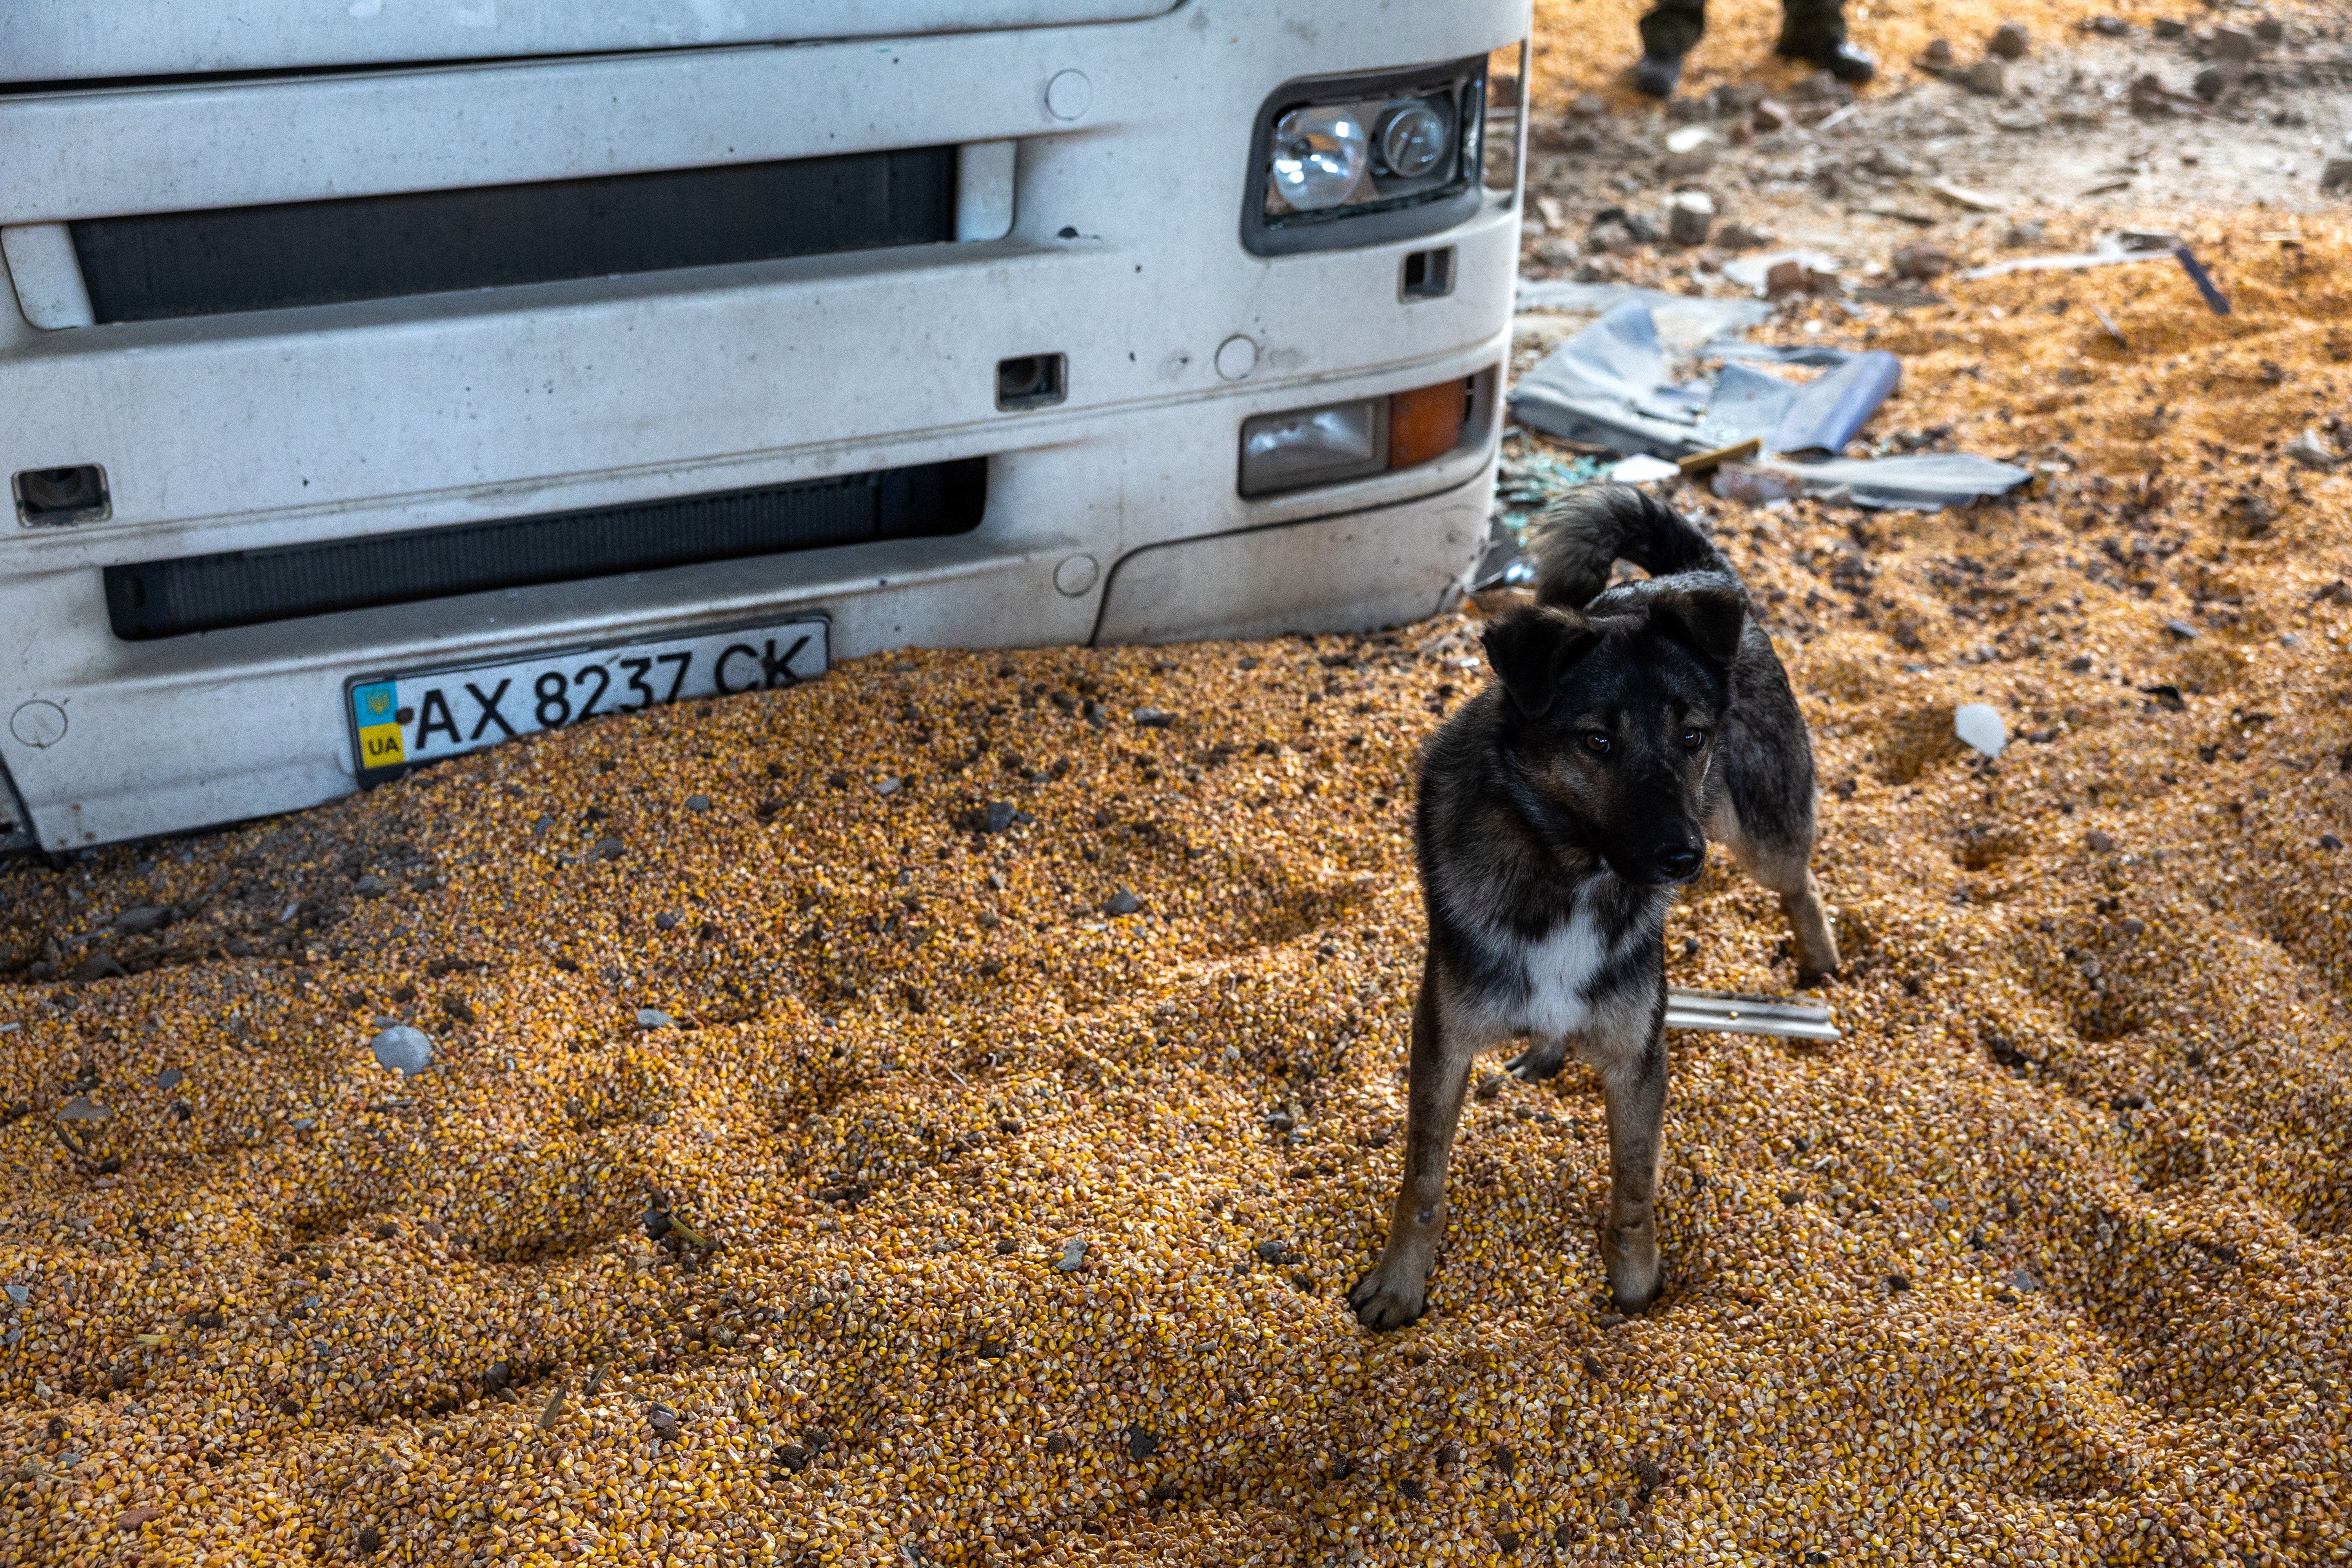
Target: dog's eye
(1596,743)
(1693,739)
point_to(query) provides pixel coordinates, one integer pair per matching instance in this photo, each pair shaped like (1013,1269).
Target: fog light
(1314,446)
(1320,155)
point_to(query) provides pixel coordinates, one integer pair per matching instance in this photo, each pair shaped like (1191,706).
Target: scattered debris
(2215,301)
(1979,727)
(2311,450)
(1642,468)
(1733,1013)
(405,1050)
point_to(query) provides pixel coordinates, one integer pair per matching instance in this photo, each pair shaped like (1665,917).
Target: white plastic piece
(48,276)
(1689,138)
(405,1050)
(985,189)
(1641,468)
(1729,1013)
(1980,727)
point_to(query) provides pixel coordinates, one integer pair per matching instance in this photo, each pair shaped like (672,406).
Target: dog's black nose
(1681,863)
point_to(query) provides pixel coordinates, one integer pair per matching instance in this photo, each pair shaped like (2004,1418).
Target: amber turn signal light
(1426,422)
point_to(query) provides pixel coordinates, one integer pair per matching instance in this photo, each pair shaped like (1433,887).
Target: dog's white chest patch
(1559,971)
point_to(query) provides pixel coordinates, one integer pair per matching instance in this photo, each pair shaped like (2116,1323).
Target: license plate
(399,722)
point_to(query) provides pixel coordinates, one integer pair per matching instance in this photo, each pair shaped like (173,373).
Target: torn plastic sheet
(1607,387)
(1927,481)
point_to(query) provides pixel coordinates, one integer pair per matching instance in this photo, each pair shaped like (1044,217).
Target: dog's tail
(1579,538)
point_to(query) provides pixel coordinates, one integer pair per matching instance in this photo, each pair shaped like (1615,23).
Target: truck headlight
(1301,447)
(1363,159)
(1319,157)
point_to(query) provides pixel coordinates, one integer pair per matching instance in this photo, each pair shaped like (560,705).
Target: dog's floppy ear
(1711,617)
(1529,647)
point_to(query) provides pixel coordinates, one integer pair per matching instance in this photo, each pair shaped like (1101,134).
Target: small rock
(1740,236)
(887,788)
(403,1049)
(1689,165)
(2022,1279)
(655,1018)
(1923,262)
(1122,902)
(1600,270)
(2134,927)
(1557,252)
(1507,1542)
(663,1420)
(1154,718)
(2108,26)
(1073,1256)
(2329,841)
(1897,1283)
(141,919)
(1771,116)
(170,1078)
(2336,179)
(1611,238)
(2229,44)
(132,1518)
(2310,448)
(609,850)
(1937,56)
(2181,629)
(2168,28)
(1411,1489)
(370,1542)
(2025,235)
(2099,841)
(2009,41)
(1593,1365)
(1058,1444)
(698,803)
(99,965)
(1587,106)
(2211,83)
(1689,215)
(1986,79)
(1141,1444)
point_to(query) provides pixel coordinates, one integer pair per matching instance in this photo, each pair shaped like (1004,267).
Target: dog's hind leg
(1543,1060)
(1783,865)
(1396,1292)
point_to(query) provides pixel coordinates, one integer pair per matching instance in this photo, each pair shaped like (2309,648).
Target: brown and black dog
(1560,809)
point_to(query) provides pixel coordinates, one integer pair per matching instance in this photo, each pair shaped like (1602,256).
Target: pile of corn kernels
(933,1115)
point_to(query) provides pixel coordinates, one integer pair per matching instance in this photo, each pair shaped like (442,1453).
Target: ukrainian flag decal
(377,709)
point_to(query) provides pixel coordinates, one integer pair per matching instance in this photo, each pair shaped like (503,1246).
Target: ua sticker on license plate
(400,721)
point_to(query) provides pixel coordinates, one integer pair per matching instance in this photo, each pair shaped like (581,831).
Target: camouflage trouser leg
(1810,29)
(1672,27)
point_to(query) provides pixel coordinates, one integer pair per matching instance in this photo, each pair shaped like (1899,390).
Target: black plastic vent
(248,587)
(163,266)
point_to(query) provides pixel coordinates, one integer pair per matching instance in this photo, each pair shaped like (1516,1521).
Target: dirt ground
(775,1075)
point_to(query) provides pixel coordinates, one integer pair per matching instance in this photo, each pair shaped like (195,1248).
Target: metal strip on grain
(1730,1013)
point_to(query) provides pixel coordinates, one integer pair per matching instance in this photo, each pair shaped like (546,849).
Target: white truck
(382,378)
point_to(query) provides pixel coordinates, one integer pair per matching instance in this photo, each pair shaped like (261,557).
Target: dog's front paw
(1540,1061)
(1381,1304)
(1635,1273)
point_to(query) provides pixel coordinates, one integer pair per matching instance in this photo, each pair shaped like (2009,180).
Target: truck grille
(163,266)
(246,587)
